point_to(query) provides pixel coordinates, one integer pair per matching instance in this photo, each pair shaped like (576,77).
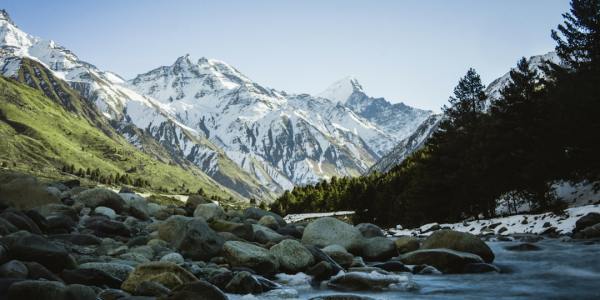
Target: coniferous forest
(545,127)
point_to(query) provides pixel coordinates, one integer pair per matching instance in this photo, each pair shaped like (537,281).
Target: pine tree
(578,38)
(468,100)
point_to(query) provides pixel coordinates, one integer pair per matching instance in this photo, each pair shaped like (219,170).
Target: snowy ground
(300,217)
(521,223)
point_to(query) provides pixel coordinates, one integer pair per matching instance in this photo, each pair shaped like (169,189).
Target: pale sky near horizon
(409,51)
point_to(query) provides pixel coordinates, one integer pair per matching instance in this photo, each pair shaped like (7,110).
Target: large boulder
(244,231)
(168,274)
(241,254)
(330,231)
(244,283)
(265,235)
(14,269)
(589,232)
(117,270)
(36,248)
(138,206)
(378,248)
(198,241)
(445,260)
(37,289)
(101,197)
(194,200)
(292,256)
(24,192)
(339,255)
(407,244)
(20,220)
(173,228)
(369,230)
(104,227)
(209,211)
(586,221)
(459,241)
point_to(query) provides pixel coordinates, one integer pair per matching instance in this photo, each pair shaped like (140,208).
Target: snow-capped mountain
(408,145)
(535,63)
(128,110)
(282,139)
(252,139)
(398,119)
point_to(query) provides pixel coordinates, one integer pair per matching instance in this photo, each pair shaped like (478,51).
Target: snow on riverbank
(301,217)
(522,223)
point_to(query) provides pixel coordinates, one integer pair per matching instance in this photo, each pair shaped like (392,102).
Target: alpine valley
(205,116)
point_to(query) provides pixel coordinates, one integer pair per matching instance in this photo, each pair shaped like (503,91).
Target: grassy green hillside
(44,129)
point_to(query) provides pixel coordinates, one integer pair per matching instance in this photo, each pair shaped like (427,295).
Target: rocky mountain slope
(45,126)
(408,145)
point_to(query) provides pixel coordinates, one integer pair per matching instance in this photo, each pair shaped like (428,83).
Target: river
(560,270)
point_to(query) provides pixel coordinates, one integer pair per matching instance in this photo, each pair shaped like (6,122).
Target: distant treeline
(544,127)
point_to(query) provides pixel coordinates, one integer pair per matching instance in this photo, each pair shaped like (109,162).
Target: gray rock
(292,256)
(378,248)
(117,270)
(241,254)
(369,230)
(79,292)
(244,283)
(590,232)
(37,289)
(269,221)
(173,228)
(168,274)
(586,221)
(105,211)
(38,249)
(265,235)
(480,268)
(358,281)
(321,271)
(459,241)
(14,269)
(257,213)
(339,255)
(244,231)
(209,211)
(101,197)
(173,257)
(151,288)
(138,206)
(407,244)
(523,247)
(330,231)
(445,260)
(199,241)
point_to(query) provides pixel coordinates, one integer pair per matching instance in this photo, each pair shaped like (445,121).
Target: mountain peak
(342,89)
(5,17)
(184,59)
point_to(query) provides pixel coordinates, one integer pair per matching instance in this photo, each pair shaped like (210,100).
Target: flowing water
(560,270)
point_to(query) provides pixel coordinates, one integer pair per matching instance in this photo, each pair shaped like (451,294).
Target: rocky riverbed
(63,241)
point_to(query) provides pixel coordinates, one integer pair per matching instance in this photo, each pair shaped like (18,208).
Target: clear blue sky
(410,51)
